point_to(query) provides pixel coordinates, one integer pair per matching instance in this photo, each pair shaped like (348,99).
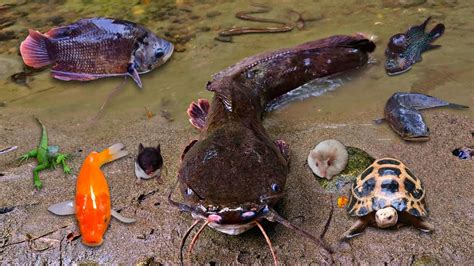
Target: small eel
(245,15)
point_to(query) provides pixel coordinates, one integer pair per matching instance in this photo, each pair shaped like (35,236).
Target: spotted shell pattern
(387,182)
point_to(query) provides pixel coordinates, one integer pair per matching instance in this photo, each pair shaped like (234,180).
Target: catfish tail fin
(34,50)
(112,153)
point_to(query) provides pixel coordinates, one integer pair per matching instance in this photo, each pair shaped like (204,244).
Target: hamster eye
(275,187)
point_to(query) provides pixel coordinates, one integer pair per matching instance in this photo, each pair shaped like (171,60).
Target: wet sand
(347,114)
(159,227)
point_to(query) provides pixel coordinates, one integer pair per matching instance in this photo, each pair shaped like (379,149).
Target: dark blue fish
(404,49)
(96,48)
(402,112)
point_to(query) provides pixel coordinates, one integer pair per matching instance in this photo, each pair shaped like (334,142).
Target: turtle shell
(387,182)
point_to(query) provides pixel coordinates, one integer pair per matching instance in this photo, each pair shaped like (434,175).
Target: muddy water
(357,97)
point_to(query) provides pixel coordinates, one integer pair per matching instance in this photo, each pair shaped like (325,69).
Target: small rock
(195,17)
(223,38)
(55,20)
(204,29)
(3,104)
(186,9)
(212,14)
(7,35)
(402,3)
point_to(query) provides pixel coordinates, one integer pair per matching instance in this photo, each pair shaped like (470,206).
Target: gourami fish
(96,48)
(404,49)
(92,203)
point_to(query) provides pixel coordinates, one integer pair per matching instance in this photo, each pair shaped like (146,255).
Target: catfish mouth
(238,220)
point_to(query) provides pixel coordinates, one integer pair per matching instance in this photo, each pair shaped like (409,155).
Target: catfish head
(232,179)
(409,124)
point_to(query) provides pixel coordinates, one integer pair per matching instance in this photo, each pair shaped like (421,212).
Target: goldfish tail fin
(436,32)
(34,50)
(113,153)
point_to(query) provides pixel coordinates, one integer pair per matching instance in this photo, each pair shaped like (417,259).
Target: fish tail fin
(436,32)
(197,113)
(34,50)
(112,153)
(364,45)
(457,106)
(423,25)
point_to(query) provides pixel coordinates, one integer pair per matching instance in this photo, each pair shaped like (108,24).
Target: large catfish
(235,173)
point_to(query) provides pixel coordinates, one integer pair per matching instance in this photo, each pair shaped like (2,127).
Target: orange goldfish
(92,203)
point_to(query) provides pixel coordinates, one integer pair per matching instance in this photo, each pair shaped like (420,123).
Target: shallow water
(356,97)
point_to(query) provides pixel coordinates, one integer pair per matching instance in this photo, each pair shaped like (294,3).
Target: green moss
(358,161)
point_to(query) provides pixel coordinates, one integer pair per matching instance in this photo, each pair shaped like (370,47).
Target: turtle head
(386,217)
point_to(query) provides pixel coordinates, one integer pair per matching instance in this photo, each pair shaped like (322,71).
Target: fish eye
(159,53)
(275,187)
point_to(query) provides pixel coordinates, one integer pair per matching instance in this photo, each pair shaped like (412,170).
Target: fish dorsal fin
(423,25)
(121,218)
(132,72)
(197,113)
(63,208)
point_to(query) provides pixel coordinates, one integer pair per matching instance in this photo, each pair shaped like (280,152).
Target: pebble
(223,38)
(7,35)
(212,14)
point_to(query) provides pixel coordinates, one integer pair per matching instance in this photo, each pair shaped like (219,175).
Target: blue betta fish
(96,48)
(404,49)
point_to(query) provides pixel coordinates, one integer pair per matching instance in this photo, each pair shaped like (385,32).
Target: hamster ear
(158,148)
(140,147)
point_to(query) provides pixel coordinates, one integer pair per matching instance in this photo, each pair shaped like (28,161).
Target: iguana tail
(44,136)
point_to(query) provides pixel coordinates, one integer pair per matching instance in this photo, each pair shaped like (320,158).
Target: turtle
(387,194)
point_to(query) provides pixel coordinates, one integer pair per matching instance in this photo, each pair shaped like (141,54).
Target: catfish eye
(188,192)
(275,187)
(159,53)
(317,164)
(329,163)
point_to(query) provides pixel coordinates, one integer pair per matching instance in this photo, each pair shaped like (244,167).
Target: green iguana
(47,156)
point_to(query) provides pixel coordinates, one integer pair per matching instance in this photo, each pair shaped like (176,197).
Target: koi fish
(404,49)
(96,48)
(92,202)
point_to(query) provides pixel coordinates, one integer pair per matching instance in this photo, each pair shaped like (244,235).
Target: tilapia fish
(235,173)
(402,113)
(404,49)
(95,48)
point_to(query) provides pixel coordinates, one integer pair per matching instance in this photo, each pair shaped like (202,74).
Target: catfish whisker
(275,260)
(195,238)
(183,240)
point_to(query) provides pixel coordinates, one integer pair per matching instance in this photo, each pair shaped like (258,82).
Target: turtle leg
(417,222)
(357,228)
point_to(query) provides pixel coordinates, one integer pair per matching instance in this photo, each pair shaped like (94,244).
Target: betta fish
(96,48)
(404,49)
